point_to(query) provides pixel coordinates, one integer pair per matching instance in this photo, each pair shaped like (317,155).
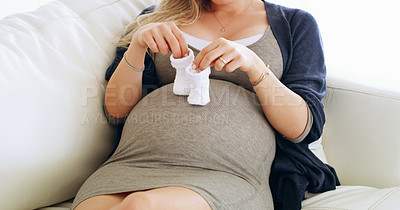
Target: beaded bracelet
(261,78)
(130,66)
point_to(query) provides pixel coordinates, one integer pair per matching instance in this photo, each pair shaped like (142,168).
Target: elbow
(295,135)
(298,133)
(117,107)
(113,120)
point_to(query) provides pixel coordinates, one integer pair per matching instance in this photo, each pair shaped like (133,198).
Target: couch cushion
(318,150)
(355,197)
(343,198)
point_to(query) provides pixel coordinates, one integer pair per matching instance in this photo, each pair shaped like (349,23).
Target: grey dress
(223,150)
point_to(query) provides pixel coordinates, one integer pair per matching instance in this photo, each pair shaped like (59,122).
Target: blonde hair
(180,12)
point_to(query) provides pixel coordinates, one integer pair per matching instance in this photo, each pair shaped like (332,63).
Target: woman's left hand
(223,53)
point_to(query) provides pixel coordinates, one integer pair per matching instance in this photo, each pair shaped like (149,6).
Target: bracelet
(261,78)
(130,66)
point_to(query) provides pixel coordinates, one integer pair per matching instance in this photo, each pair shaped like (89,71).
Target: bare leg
(165,198)
(102,202)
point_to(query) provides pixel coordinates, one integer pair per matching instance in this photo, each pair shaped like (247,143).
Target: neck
(230,8)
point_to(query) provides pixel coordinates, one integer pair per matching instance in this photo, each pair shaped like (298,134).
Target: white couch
(54,134)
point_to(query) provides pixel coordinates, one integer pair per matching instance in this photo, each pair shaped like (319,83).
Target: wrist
(136,46)
(135,55)
(135,49)
(137,43)
(259,69)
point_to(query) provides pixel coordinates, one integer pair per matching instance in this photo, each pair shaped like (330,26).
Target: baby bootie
(200,86)
(181,83)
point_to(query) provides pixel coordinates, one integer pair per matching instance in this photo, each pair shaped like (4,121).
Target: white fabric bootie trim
(200,82)
(181,84)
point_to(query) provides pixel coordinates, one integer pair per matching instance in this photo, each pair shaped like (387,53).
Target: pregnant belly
(229,134)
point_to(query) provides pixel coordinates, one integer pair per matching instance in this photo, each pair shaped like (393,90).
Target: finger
(150,42)
(161,43)
(220,63)
(212,63)
(199,58)
(181,40)
(213,56)
(233,65)
(173,44)
(224,60)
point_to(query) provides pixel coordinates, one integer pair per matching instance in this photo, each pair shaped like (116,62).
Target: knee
(139,200)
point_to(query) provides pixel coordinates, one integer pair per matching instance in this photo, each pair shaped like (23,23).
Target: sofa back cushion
(53,131)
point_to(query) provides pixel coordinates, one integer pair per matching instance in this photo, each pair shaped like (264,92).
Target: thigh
(102,202)
(174,198)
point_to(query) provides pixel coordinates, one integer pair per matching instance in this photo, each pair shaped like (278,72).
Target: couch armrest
(361,137)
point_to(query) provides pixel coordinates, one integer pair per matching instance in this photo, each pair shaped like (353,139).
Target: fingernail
(194,67)
(187,54)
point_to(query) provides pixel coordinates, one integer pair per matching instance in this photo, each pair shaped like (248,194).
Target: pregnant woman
(247,147)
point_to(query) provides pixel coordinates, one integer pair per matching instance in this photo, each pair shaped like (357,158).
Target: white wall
(361,38)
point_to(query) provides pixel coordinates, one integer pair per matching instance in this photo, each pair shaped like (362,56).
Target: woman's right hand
(162,37)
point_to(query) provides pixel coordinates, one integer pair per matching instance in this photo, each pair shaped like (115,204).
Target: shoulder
(291,17)
(292,26)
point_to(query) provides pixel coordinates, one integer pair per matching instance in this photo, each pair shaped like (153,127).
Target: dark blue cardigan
(295,169)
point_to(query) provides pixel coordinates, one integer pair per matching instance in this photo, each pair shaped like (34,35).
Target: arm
(304,74)
(124,88)
(286,111)
(295,101)
(304,67)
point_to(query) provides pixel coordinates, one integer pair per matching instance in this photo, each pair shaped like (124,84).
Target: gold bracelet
(261,78)
(130,66)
